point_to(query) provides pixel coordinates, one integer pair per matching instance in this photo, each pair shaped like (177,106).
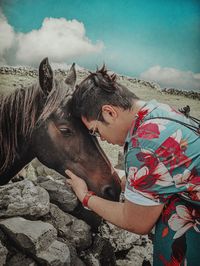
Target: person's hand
(78,185)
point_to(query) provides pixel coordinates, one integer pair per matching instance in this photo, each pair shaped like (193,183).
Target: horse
(35,122)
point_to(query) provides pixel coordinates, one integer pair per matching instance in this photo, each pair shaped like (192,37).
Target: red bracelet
(86,198)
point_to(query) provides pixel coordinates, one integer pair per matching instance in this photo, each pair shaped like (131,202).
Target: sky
(155,40)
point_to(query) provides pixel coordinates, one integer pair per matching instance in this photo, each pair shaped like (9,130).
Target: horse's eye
(65,131)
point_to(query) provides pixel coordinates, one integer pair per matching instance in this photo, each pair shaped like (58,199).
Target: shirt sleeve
(138,198)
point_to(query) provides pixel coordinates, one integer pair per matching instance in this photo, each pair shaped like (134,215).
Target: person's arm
(129,216)
(132,217)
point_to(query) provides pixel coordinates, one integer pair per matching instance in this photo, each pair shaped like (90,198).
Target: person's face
(109,130)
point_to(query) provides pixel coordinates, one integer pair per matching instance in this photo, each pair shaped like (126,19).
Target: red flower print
(149,159)
(140,116)
(148,131)
(169,208)
(172,153)
(165,231)
(142,113)
(135,142)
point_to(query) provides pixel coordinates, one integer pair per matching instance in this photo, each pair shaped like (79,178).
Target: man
(162,163)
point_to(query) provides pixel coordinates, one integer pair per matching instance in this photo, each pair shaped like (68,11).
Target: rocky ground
(37,225)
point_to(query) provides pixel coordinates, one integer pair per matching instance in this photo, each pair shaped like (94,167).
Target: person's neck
(137,105)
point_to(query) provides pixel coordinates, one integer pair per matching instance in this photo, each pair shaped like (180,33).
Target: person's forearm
(122,216)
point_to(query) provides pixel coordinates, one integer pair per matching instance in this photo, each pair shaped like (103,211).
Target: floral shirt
(162,157)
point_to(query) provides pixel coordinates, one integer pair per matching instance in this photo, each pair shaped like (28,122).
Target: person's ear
(109,113)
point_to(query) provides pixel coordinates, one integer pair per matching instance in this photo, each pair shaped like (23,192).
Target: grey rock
(44,171)
(21,259)
(23,198)
(31,173)
(79,234)
(120,239)
(138,254)
(61,195)
(137,247)
(57,254)
(57,217)
(31,236)
(76,231)
(3,254)
(101,253)
(75,260)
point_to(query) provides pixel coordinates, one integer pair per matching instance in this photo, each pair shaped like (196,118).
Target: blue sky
(142,38)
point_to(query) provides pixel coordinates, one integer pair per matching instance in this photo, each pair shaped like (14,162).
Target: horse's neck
(25,157)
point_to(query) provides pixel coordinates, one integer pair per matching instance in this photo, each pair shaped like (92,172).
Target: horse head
(61,141)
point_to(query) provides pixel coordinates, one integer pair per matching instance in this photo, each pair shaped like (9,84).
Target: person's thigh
(177,235)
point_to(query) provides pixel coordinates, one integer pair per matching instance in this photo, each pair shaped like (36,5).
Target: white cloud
(7,37)
(58,38)
(172,77)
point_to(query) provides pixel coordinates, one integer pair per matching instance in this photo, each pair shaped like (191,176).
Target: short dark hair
(96,90)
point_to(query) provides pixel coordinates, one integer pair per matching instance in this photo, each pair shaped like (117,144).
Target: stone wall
(30,72)
(40,225)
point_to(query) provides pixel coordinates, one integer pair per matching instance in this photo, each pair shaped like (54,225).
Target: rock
(43,171)
(61,195)
(31,173)
(3,254)
(57,254)
(31,236)
(75,260)
(141,254)
(19,196)
(90,217)
(57,217)
(23,198)
(21,259)
(100,253)
(120,239)
(77,232)
(135,248)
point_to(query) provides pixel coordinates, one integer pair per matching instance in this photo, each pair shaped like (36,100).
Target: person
(162,165)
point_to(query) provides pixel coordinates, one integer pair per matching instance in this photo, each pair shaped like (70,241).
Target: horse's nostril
(110,193)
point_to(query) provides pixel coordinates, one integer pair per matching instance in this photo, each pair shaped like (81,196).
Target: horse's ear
(71,77)
(45,76)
